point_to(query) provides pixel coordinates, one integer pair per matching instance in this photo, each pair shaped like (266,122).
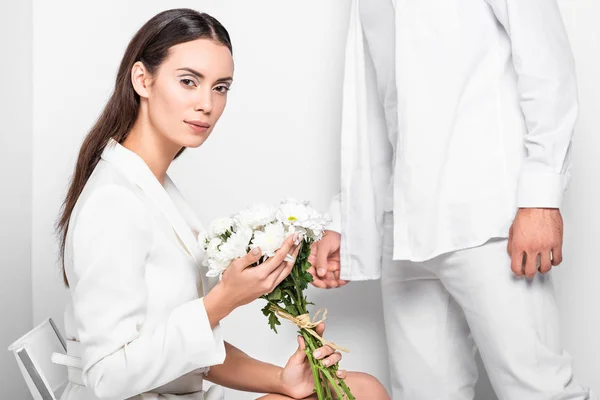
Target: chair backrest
(33,351)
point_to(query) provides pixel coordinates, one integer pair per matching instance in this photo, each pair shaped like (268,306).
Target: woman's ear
(140,79)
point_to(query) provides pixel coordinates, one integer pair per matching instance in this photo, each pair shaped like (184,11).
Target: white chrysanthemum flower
(256,216)
(212,248)
(220,226)
(270,239)
(237,245)
(259,226)
(202,239)
(291,213)
(216,266)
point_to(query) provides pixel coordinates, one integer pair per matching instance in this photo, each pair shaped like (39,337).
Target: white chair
(34,351)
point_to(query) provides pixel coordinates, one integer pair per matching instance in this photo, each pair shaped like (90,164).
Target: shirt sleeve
(547,87)
(335,211)
(112,240)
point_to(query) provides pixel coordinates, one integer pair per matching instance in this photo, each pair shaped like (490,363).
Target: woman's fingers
(274,262)
(287,269)
(250,258)
(332,359)
(320,329)
(298,357)
(322,352)
(342,373)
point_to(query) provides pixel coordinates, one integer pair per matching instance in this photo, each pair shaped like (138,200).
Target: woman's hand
(297,378)
(242,284)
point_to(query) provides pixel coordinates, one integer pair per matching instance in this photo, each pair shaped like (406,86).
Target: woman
(136,319)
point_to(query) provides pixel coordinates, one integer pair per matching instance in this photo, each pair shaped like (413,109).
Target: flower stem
(328,390)
(334,384)
(312,345)
(315,371)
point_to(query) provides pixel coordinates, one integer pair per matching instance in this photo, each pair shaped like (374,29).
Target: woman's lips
(198,126)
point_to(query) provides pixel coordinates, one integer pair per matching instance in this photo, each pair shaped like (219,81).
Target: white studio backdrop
(279,136)
(16,92)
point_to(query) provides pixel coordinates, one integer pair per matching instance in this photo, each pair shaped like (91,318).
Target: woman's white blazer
(136,315)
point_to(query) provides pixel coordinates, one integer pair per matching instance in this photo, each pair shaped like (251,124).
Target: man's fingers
(531,264)
(332,283)
(319,283)
(321,258)
(545,262)
(312,258)
(557,256)
(516,263)
(341,282)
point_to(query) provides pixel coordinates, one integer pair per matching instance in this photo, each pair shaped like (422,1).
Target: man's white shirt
(456,113)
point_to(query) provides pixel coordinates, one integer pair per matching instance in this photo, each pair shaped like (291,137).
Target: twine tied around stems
(304,322)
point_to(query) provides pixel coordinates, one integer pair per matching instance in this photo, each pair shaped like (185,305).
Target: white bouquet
(267,227)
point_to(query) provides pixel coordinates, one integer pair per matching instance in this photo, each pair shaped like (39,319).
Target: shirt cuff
(540,190)
(335,211)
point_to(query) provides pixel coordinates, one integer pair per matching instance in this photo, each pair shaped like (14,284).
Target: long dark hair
(150,45)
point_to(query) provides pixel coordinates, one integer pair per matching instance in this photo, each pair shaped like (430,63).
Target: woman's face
(189,91)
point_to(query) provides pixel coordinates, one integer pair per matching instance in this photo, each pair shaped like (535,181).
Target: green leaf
(275,294)
(307,266)
(266,310)
(292,310)
(273,321)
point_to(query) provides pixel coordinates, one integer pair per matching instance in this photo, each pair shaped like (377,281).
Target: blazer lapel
(136,169)
(196,226)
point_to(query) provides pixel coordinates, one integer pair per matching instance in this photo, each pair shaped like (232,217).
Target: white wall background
(15,190)
(282,129)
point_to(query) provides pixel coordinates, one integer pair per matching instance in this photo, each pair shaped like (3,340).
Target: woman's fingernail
(321,271)
(339,373)
(317,354)
(256,251)
(326,363)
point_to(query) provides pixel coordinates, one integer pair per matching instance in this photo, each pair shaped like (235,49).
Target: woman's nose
(204,101)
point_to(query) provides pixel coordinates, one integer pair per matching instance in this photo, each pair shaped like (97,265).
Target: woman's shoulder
(107,190)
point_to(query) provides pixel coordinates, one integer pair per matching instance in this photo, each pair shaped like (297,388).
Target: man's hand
(536,233)
(325,260)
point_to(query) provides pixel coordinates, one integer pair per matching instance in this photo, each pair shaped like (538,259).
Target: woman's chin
(194,141)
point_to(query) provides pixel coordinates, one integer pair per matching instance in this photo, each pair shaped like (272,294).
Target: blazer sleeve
(112,240)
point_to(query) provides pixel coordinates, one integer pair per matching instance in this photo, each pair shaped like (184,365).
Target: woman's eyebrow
(199,75)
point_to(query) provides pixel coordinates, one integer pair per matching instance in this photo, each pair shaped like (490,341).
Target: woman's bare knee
(273,396)
(363,387)
(366,387)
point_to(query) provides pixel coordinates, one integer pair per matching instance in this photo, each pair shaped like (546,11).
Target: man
(456,133)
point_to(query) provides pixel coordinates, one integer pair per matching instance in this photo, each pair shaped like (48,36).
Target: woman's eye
(188,82)
(222,89)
